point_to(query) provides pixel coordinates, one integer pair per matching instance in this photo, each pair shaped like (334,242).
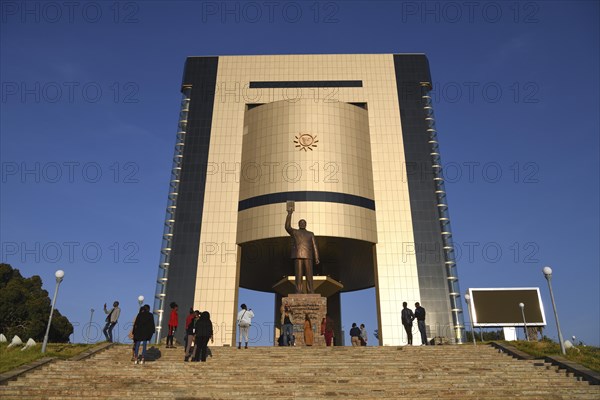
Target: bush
(25,308)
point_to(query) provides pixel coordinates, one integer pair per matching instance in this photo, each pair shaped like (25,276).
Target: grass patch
(14,357)
(588,356)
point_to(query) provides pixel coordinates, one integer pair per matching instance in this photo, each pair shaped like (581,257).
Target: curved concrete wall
(305,146)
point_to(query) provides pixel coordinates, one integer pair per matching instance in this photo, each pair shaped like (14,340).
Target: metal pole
(468,299)
(560,336)
(522,306)
(58,280)
(88,329)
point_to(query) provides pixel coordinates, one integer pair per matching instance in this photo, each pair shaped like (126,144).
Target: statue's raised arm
(288,222)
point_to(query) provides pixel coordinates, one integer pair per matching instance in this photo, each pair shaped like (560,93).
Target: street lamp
(468,300)
(88,329)
(548,274)
(140,300)
(59,277)
(522,306)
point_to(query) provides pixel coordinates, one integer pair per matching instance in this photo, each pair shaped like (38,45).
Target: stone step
(286,394)
(224,372)
(294,375)
(327,375)
(431,385)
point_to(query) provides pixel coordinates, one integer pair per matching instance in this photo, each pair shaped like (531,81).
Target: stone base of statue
(302,304)
(325,299)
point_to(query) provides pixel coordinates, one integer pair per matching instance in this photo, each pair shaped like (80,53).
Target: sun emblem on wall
(306,141)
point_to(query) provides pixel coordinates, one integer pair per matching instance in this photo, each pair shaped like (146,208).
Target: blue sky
(89,108)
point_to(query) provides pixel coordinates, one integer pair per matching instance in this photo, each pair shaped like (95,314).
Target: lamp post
(522,307)
(140,300)
(88,329)
(468,300)
(548,275)
(59,277)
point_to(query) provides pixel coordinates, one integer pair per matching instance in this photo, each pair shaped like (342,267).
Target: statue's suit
(304,251)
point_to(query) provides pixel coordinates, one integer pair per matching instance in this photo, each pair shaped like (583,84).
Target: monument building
(350,139)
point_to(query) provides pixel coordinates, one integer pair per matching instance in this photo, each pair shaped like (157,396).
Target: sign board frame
(486,301)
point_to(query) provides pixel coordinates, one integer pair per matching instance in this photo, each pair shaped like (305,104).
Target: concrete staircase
(432,372)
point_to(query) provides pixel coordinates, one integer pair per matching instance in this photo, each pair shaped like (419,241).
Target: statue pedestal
(301,304)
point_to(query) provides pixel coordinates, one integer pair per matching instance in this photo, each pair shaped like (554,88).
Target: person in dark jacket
(188,320)
(203,332)
(143,329)
(355,335)
(190,336)
(407,321)
(420,316)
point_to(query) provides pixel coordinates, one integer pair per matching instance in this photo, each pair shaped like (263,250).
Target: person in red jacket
(327,329)
(173,322)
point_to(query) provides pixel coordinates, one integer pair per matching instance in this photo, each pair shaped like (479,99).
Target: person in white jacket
(244,320)
(111,320)
(363,335)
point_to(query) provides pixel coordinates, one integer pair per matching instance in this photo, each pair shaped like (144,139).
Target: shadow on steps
(153,354)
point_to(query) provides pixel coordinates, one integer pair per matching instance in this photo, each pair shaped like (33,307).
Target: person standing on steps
(287,327)
(355,335)
(309,337)
(203,333)
(363,335)
(111,320)
(143,329)
(327,326)
(244,320)
(407,317)
(190,334)
(134,347)
(189,319)
(173,322)
(420,316)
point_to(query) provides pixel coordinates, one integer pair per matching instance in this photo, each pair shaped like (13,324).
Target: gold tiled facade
(338,161)
(396,272)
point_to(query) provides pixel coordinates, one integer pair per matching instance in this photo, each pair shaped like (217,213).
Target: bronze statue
(304,250)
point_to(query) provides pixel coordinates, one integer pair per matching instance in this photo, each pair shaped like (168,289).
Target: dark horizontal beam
(329,197)
(303,84)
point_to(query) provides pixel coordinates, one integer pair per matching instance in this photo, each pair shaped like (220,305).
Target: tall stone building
(351,139)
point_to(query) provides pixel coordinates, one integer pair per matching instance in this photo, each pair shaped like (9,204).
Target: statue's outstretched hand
(317,261)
